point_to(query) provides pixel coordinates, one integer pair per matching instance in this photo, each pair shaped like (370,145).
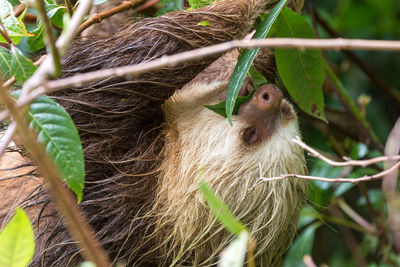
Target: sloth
(147,138)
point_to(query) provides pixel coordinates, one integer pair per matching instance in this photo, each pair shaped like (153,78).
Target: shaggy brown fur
(143,159)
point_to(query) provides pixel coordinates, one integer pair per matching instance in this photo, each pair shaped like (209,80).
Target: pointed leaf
(302,71)
(220,107)
(221,211)
(21,67)
(60,137)
(15,28)
(17,241)
(246,58)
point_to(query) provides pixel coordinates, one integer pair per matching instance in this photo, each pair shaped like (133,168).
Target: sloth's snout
(267,98)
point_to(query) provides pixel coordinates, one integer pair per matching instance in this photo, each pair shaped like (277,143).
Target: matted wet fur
(143,158)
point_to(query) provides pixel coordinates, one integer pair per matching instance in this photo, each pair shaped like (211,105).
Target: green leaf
(55,13)
(5,63)
(220,107)
(246,58)
(221,211)
(37,42)
(257,78)
(169,6)
(204,23)
(302,71)
(358,151)
(60,137)
(301,246)
(15,28)
(21,67)
(235,254)
(17,241)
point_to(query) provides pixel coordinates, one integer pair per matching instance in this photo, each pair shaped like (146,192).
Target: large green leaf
(5,63)
(221,211)
(21,67)
(17,241)
(246,58)
(302,71)
(15,27)
(58,133)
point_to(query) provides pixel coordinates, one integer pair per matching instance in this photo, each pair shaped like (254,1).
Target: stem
(97,18)
(69,8)
(50,37)
(351,105)
(3,32)
(356,217)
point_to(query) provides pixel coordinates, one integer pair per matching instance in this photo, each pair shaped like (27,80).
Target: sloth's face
(232,159)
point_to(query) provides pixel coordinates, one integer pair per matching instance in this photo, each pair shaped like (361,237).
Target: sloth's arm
(167,35)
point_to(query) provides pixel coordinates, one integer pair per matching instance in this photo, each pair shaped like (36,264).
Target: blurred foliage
(339,240)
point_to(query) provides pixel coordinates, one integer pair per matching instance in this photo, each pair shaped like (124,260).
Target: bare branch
(334,180)
(7,136)
(3,32)
(69,7)
(97,18)
(349,162)
(170,61)
(356,217)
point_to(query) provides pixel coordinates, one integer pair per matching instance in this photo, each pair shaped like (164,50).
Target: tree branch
(97,18)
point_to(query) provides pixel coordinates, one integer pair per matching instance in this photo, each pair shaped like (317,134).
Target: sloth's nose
(267,98)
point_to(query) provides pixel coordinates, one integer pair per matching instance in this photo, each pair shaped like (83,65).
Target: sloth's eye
(247,87)
(250,135)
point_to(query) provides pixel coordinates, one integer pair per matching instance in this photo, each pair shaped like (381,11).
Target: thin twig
(356,217)
(69,8)
(66,203)
(3,32)
(334,180)
(348,162)
(50,37)
(97,18)
(7,137)
(170,61)
(19,9)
